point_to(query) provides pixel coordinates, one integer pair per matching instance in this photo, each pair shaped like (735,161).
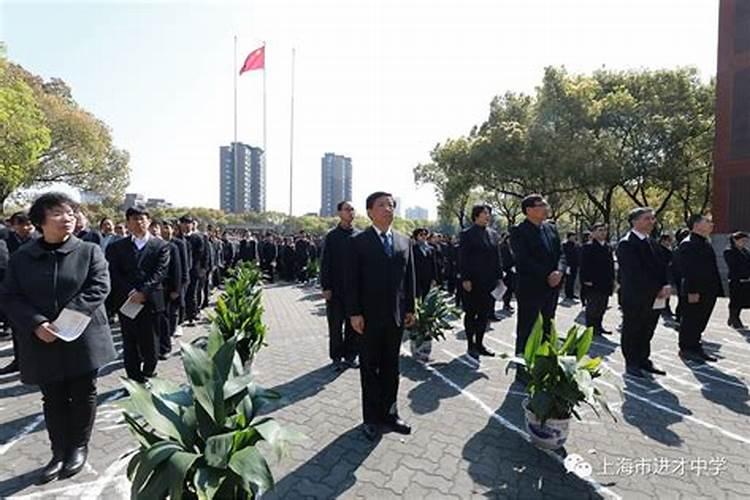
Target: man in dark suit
(380,303)
(173,286)
(187,263)
(539,266)
(425,262)
(643,278)
(248,248)
(597,277)
(22,231)
(137,267)
(509,272)
(572,253)
(342,341)
(199,260)
(701,285)
(480,269)
(268,252)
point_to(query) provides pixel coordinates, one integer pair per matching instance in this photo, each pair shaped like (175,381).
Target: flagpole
(291,144)
(265,150)
(234,74)
(235,149)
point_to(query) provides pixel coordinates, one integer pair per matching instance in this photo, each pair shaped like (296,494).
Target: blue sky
(381,81)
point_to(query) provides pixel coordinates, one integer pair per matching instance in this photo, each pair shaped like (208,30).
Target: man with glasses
(342,344)
(539,266)
(645,287)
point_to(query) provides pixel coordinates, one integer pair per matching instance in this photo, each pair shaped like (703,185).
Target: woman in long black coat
(54,273)
(737,258)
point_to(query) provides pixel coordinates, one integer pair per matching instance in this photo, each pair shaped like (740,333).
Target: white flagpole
(291,144)
(235,149)
(265,150)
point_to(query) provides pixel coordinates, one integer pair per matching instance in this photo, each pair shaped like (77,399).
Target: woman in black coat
(59,272)
(737,258)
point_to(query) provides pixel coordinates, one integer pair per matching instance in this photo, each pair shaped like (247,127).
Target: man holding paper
(53,294)
(138,266)
(645,287)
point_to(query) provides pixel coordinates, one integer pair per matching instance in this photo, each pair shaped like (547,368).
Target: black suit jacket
(571,251)
(173,279)
(597,267)
(379,287)
(248,250)
(534,262)
(643,272)
(182,253)
(738,262)
(144,272)
(700,273)
(479,257)
(425,266)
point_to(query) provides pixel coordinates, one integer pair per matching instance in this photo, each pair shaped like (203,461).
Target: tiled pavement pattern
(686,435)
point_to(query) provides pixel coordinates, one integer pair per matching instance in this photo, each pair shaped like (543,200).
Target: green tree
(23,134)
(80,150)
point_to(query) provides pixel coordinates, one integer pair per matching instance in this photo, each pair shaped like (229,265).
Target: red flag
(255,60)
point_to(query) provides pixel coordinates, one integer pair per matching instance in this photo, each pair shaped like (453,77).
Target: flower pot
(421,351)
(552,435)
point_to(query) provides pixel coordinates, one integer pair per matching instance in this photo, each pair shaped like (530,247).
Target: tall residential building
(336,182)
(242,182)
(417,213)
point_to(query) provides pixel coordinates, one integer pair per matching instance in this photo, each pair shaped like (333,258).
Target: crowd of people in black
(153,276)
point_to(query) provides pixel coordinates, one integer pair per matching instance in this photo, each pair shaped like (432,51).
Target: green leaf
(177,468)
(569,340)
(219,449)
(253,469)
(235,385)
(151,458)
(533,342)
(207,482)
(205,381)
(585,342)
(161,415)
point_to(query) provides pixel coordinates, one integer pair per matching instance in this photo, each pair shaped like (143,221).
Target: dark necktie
(387,244)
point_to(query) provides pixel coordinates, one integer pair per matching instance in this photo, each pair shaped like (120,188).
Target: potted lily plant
(560,377)
(432,320)
(239,312)
(201,440)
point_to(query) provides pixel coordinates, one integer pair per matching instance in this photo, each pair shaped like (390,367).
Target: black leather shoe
(52,470)
(472,352)
(691,356)
(352,363)
(706,356)
(650,368)
(10,368)
(397,425)
(634,371)
(74,461)
(482,350)
(371,432)
(604,332)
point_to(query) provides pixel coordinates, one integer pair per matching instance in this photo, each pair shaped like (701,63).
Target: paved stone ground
(686,435)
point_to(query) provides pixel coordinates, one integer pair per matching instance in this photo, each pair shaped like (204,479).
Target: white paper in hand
(660,303)
(70,324)
(131,309)
(499,290)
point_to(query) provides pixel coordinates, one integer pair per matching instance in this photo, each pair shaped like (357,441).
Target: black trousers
(510,287)
(596,306)
(379,371)
(529,309)
(194,295)
(570,282)
(638,325)
(167,324)
(478,305)
(69,407)
(206,293)
(342,339)
(694,321)
(139,343)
